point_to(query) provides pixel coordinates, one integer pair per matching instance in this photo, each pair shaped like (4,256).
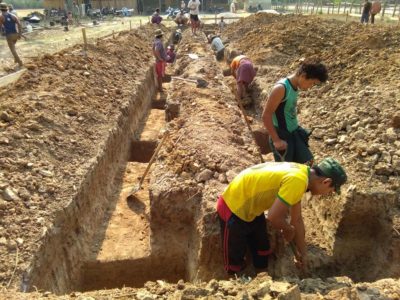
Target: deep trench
(103,239)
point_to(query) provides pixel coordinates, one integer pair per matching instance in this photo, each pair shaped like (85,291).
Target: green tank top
(285,116)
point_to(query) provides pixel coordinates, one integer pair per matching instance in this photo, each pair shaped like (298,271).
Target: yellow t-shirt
(255,189)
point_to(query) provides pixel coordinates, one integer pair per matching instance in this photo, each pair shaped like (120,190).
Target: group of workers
(269,194)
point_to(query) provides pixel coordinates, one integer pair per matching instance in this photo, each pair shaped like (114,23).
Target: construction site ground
(77,131)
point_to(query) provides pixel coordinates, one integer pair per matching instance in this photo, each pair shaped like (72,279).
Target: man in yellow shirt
(278,188)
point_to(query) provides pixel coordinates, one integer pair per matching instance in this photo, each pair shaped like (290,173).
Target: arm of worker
(277,217)
(296,220)
(273,101)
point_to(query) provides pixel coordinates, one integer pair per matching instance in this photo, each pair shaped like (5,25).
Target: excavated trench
(105,239)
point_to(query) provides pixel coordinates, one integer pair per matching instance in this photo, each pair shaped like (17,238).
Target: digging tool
(139,186)
(200,83)
(249,127)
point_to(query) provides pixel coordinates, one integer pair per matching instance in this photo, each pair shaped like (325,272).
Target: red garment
(160,69)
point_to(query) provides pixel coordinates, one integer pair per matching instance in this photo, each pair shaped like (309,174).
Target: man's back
(9,22)
(255,189)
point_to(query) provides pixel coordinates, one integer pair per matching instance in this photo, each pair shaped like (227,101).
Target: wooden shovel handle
(152,159)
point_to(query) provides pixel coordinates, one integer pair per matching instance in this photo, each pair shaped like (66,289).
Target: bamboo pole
(130,25)
(384,9)
(84,39)
(395,8)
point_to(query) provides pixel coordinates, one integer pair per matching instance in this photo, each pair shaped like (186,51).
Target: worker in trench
(217,46)
(288,140)
(242,69)
(277,188)
(160,56)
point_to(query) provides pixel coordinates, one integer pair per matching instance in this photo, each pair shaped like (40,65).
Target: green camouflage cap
(3,6)
(332,169)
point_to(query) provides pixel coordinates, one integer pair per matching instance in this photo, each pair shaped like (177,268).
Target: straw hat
(158,32)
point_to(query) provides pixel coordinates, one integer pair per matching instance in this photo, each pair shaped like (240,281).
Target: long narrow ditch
(168,230)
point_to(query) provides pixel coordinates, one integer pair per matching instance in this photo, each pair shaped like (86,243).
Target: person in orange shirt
(243,71)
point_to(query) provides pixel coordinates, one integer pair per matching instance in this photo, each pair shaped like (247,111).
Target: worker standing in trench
(278,188)
(160,56)
(288,140)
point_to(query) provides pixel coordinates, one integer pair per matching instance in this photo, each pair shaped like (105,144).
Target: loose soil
(65,143)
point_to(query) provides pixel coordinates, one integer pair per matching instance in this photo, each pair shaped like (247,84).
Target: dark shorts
(297,150)
(220,54)
(237,235)
(194,17)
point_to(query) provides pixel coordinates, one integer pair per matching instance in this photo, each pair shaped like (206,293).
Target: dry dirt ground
(56,119)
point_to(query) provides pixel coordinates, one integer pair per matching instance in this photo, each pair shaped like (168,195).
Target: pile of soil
(358,106)
(53,122)
(261,287)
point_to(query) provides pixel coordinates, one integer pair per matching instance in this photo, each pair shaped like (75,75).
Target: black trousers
(237,235)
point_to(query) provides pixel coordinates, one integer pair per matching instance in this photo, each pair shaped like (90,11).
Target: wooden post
(140,22)
(113,35)
(383,9)
(84,39)
(395,7)
(216,17)
(130,25)
(347,16)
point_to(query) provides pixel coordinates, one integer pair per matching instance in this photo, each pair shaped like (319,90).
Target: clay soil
(55,119)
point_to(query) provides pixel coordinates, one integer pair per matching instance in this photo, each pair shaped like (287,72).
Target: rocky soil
(54,119)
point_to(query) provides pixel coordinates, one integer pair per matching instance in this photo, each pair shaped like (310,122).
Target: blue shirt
(9,23)
(217,44)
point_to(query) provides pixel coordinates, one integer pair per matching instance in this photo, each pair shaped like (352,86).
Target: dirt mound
(67,104)
(357,104)
(53,123)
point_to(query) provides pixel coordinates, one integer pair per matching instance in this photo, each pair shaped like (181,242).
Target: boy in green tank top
(288,140)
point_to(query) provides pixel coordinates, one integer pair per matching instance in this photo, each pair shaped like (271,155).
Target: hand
(302,263)
(280,145)
(288,233)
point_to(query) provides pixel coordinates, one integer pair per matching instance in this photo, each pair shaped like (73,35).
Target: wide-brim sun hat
(158,32)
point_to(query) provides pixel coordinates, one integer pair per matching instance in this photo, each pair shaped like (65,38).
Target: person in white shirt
(193,6)
(217,46)
(221,25)
(233,7)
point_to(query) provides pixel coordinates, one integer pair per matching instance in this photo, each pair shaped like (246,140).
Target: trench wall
(67,244)
(356,231)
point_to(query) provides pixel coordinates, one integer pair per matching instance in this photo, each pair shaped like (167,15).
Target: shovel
(200,83)
(139,186)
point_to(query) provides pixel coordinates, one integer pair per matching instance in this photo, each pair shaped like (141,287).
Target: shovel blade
(167,78)
(201,83)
